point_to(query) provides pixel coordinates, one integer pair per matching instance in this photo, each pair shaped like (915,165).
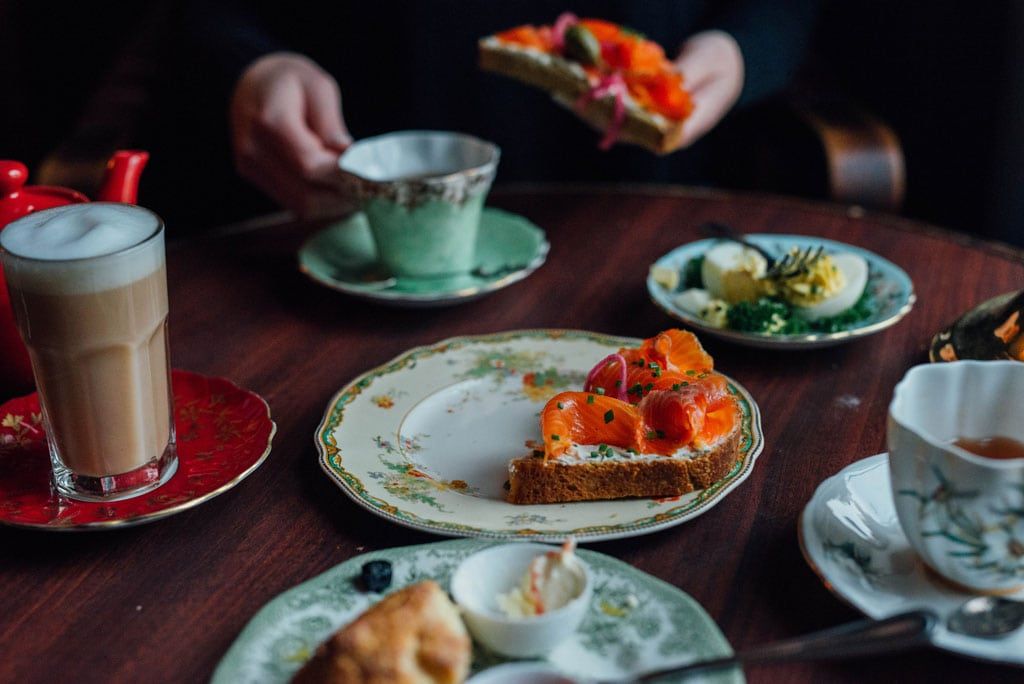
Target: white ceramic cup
(962,513)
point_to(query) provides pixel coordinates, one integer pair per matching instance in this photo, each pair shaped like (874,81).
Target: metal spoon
(985,617)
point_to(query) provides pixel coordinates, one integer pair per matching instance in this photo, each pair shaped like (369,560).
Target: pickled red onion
(562,24)
(612,84)
(620,392)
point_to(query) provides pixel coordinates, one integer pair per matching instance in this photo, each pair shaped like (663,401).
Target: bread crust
(656,133)
(413,636)
(535,480)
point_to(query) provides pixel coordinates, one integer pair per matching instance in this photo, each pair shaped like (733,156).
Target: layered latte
(89,290)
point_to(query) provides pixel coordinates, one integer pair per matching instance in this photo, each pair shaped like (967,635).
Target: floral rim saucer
(223,434)
(852,539)
(425,439)
(635,622)
(343,257)
(891,286)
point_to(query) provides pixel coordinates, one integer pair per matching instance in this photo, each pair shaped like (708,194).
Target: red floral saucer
(223,433)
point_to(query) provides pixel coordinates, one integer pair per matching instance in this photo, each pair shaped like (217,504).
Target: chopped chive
(609,416)
(691,372)
(594,454)
(661,435)
(561,405)
(651,434)
(686,384)
(675,387)
(648,387)
(599,390)
(602,447)
(555,438)
(590,398)
(632,451)
(618,383)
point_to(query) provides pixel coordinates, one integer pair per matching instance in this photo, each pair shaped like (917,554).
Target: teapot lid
(17,199)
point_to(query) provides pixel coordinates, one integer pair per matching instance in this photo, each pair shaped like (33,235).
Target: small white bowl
(521,673)
(496,570)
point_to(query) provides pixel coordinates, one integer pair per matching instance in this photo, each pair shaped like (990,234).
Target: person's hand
(287,131)
(712,67)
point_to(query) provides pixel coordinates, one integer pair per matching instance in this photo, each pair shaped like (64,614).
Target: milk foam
(81,248)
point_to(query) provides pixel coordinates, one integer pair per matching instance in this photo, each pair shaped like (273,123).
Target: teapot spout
(121,183)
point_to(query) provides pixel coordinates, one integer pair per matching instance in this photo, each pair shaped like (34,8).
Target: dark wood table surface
(164,601)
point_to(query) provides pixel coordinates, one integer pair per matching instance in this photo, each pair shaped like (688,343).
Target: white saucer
(851,538)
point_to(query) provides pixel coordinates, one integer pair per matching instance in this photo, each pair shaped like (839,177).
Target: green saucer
(343,257)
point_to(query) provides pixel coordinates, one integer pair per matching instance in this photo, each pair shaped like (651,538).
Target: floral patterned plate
(851,538)
(425,439)
(223,433)
(635,622)
(891,286)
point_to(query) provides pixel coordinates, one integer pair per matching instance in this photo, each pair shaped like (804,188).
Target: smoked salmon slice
(668,397)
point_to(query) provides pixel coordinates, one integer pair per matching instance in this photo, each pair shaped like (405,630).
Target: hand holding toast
(713,66)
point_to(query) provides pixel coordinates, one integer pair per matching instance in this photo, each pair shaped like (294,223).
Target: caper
(581,45)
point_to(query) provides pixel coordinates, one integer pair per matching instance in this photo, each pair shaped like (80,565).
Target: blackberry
(376,575)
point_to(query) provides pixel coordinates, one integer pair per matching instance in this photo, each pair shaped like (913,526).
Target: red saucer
(223,433)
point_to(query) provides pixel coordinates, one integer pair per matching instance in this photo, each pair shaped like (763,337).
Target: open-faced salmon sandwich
(611,76)
(651,421)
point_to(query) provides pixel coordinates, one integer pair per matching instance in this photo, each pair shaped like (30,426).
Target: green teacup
(422,193)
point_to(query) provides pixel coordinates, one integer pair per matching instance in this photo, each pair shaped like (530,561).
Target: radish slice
(562,24)
(611,84)
(620,392)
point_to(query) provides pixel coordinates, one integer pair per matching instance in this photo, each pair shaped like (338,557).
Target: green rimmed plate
(635,622)
(425,439)
(343,257)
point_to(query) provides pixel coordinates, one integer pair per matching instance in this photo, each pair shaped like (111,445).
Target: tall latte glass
(89,290)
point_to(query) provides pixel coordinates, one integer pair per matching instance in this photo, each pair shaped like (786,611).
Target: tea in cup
(956,458)
(422,193)
(88,287)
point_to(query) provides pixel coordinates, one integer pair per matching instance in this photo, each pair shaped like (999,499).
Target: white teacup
(963,513)
(422,192)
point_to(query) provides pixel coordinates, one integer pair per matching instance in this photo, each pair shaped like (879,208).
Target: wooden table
(164,601)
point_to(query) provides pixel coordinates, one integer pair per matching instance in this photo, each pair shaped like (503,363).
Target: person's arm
(772,36)
(284,111)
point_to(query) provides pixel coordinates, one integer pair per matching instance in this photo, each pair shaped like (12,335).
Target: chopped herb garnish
(632,451)
(653,365)
(702,376)
(651,434)
(618,383)
(561,405)
(555,438)
(590,398)
(599,390)
(609,416)
(661,435)
(691,372)
(686,384)
(635,389)
(648,387)
(675,386)
(641,363)
(602,447)
(594,454)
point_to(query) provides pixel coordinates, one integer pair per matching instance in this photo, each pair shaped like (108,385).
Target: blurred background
(912,108)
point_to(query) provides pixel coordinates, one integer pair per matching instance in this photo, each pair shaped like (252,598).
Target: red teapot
(121,184)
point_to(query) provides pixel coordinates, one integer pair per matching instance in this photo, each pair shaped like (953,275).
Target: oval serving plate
(891,286)
(635,622)
(425,439)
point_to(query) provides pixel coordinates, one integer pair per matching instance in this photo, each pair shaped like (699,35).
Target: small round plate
(991,331)
(223,434)
(343,257)
(635,622)
(891,286)
(852,539)
(425,439)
